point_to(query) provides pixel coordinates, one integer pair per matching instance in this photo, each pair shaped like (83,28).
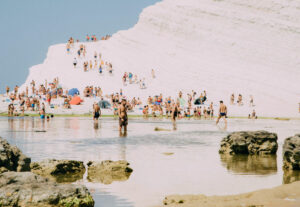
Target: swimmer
(175,113)
(222,113)
(97,112)
(123,118)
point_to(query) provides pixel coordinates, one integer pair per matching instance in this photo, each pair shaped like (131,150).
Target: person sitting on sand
(123,119)
(67,103)
(222,113)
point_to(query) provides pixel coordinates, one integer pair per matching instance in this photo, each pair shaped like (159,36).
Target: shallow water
(185,161)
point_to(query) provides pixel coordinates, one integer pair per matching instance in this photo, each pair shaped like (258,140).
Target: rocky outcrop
(12,159)
(250,164)
(108,171)
(291,153)
(28,189)
(290,176)
(59,170)
(249,142)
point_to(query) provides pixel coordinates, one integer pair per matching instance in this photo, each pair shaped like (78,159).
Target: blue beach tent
(73,91)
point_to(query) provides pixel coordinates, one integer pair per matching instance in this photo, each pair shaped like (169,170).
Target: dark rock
(28,189)
(59,170)
(290,176)
(249,142)
(291,153)
(108,171)
(12,159)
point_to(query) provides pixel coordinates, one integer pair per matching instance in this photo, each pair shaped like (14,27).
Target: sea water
(185,161)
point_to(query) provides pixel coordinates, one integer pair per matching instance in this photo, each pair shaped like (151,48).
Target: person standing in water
(222,113)
(97,112)
(123,118)
(175,112)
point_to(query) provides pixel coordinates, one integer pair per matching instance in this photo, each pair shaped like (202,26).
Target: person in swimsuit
(175,113)
(7,90)
(222,113)
(123,118)
(75,62)
(42,113)
(97,112)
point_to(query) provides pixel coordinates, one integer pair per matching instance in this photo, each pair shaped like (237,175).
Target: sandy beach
(281,196)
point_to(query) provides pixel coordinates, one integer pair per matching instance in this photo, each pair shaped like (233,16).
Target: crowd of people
(88,64)
(193,105)
(93,38)
(240,101)
(133,79)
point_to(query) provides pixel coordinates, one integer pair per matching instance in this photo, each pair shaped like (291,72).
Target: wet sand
(282,196)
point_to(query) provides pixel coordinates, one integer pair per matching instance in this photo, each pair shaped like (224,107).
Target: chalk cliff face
(250,47)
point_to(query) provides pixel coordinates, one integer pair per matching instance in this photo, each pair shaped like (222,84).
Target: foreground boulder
(59,170)
(12,159)
(28,189)
(108,171)
(291,153)
(249,142)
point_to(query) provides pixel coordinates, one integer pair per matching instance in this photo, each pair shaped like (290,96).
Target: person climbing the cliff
(153,73)
(7,90)
(222,113)
(123,118)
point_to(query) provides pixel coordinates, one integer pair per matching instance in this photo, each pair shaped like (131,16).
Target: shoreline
(287,195)
(149,116)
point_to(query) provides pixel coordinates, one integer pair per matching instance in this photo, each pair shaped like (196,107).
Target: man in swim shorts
(97,112)
(222,113)
(175,114)
(123,118)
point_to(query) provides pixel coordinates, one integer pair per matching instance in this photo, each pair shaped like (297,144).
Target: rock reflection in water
(250,164)
(290,176)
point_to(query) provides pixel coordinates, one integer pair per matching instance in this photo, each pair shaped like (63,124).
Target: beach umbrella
(104,104)
(73,91)
(75,100)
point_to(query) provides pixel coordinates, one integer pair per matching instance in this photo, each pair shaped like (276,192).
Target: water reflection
(250,164)
(290,176)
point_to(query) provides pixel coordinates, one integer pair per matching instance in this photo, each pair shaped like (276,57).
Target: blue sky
(29,27)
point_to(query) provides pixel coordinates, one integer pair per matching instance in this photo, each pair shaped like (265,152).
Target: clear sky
(28,28)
